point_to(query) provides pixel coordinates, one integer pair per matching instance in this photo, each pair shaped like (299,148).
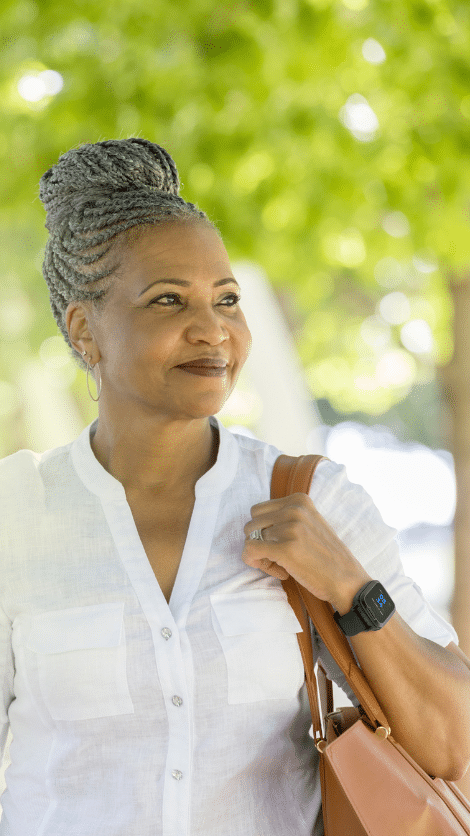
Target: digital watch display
(372,607)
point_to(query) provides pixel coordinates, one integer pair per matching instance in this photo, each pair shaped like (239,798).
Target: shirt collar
(100,482)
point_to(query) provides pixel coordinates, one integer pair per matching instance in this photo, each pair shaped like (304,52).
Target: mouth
(213,362)
(205,367)
(204,370)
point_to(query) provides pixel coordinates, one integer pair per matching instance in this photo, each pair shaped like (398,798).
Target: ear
(76,320)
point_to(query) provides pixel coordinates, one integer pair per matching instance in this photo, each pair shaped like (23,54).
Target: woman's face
(174,300)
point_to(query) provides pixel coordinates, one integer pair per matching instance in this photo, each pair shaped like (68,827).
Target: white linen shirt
(132,717)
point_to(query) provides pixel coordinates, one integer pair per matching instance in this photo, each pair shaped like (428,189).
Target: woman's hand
(299,542)
(422,686)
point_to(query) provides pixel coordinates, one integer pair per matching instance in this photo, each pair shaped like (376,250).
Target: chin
(199,411)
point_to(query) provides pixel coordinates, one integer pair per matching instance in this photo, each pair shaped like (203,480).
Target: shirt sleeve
(6,678)
(351,513)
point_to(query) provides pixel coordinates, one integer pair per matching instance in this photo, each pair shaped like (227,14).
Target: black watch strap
(351,623)
(372,608)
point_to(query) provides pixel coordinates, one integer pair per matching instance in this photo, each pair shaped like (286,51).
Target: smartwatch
(371,608)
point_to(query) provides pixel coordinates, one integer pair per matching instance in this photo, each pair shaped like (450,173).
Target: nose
(206,326)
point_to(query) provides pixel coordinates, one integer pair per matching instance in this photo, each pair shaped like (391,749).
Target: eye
(165,296)
(235,300)
(229,301)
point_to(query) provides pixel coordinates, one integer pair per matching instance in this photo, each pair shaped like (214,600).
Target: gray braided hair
(94,196)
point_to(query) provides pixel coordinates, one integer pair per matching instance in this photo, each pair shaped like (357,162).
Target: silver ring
(257,535)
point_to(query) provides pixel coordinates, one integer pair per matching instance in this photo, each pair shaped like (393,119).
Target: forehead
(188,246)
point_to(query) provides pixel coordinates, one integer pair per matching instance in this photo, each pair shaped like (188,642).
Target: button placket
(175,668)
(173,653)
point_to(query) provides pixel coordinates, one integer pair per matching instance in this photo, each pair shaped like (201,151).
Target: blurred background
(329,141)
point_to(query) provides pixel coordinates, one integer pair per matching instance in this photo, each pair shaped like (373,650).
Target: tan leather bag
(370,784)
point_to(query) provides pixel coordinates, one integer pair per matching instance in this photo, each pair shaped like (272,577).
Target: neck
(156,458)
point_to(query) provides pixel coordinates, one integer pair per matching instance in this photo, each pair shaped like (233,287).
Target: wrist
(343,599)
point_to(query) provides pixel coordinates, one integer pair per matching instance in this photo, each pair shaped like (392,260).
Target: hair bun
(115,165)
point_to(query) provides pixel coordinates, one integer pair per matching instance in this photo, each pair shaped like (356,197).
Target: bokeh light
(396,224)
(417,337)
(34,87)
(373,52)
(395,308)
(396,368)
(359,118)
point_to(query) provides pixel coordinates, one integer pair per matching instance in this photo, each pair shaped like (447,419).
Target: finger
(273,505)
(262,555)
(260,524)
(270,506)
(270,568)
(274,570)
(268,514)
(270,534)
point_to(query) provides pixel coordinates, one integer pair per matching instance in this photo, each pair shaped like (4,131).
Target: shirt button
(177,700)
(177,775)
(166,633)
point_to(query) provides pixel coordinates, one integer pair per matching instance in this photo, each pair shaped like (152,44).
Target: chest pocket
(257,630)
(80,655)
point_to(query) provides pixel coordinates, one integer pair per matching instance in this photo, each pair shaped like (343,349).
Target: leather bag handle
(294,475)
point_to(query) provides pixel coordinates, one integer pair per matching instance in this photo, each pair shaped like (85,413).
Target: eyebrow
(183,283)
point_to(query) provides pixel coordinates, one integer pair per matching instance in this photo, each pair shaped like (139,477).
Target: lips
(205,363)
(205,367)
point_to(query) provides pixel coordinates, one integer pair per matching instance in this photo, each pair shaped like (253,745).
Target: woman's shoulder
(29,461)
(349,508)
(19,477)
(21,471)
(21,462)
(345,505)
(332,492)
(250,443)
(331,486)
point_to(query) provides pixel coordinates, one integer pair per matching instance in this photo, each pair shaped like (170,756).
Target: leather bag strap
(305,645)
(294,475)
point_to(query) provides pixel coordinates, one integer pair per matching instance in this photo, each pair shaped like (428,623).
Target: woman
(151,673)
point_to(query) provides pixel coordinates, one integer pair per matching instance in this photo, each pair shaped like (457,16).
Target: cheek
(133,352)
(248,344)
(242,338)
(152,342)
(245,343)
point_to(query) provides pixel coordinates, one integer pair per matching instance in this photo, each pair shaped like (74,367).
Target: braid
(93,196)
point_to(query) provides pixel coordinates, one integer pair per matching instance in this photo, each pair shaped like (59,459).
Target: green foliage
(249,98)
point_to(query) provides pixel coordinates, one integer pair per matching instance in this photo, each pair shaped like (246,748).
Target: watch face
(379,603)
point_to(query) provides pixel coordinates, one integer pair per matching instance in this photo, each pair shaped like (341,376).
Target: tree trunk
(456,378)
